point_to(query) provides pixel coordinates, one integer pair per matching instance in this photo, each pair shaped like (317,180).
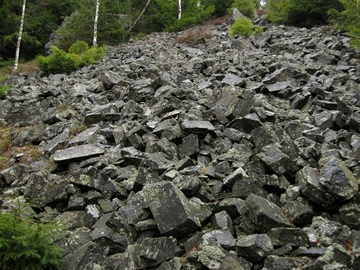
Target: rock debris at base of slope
(227,154)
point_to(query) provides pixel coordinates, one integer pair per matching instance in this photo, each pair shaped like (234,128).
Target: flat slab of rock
(77,153)
(196,126)
(170,208)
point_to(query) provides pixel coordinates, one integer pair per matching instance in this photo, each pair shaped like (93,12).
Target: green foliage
(27,243)
(41,19)
(221,7)
(79,55)
(165,14)
(79,47)
(92,55)
(244,27)
(4,88)
(246,7)
(58,62)
(301,12)
(80,25)
(348,19)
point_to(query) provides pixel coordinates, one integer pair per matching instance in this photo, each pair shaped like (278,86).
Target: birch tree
(96,20)
(17,53)
(180,9)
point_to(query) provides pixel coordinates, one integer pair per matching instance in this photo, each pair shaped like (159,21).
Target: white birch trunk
(96,20)
(180,10)
(17,53)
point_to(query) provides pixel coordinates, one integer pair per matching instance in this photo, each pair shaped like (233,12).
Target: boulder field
(227,154)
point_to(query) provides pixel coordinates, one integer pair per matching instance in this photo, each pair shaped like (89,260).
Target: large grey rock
(254,247)
(45,188)
(284,263)
(279,162)
(88,256)
(308,178)
(152,251)
(76,153)
(338,180)
(170,209)
(265,214)
(288,236)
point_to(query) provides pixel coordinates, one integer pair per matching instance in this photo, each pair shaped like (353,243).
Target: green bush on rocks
(79,55)
(244,27)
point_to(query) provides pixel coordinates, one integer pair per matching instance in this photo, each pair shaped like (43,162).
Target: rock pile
(238,154)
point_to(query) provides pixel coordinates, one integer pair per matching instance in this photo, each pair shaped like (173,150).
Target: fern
(27,243)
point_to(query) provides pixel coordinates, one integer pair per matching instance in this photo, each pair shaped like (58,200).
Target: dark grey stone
(288,236)
(45,187)
(88,256)
(265,214)
(190,145)
(254,247)
(247,123)
(170,209)
(285,263)
(338,180)
(349,213)
(308,178)
(196,126)
(85,136)
(279,162)
(152,251)
(110,79)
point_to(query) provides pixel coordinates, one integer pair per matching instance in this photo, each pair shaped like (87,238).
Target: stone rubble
(227,154)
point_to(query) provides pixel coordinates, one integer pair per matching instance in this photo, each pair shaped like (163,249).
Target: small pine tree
(27,243)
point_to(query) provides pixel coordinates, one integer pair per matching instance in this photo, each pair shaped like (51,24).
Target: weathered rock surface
(228,154)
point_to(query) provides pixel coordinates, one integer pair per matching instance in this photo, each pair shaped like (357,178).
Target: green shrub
(4,88)
(61,62)
(79,55)
(92,55)
(348,20)
(244,27)
(27,243)
(79,47)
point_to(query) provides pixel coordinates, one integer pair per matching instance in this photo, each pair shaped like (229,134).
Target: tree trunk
(180,10)
(17,53)
(142,13)
(96,20)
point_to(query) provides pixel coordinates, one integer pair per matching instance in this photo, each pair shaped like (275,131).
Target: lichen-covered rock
(76,153)
(264,214)
(254,247)
(171,209)
(338,180)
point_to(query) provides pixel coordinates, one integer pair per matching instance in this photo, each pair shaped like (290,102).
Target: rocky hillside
(225,154)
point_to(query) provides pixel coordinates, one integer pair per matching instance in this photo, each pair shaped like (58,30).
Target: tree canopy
(301,12)
(348,19)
